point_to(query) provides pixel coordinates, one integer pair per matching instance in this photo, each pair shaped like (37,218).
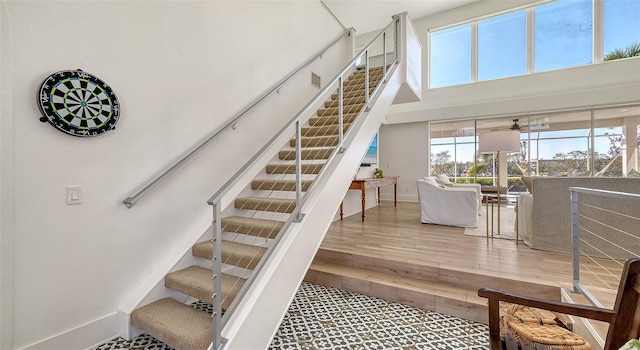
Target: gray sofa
(544,215)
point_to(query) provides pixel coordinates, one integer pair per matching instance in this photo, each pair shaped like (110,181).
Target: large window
(451,58)
(602,142)
(452,149)
(621,28)
(502,46)
(563,34)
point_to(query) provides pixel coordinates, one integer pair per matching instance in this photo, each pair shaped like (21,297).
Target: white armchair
(444,180)
(452,206)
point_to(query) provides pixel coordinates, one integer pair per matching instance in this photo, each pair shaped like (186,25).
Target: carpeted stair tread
(197,282)
(278,185)
(306,154)
(238,254)
(349,93)
(355,90)
(354,108)
(277,205)
(346,101)
(359,82)
(251,226)
(360,76)
(242,255)
(332,120)
(174,323)
(291,168)
(325,130)
(321,141)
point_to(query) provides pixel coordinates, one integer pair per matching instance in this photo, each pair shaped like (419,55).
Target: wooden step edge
(392,280)
(443,273)
(438,297)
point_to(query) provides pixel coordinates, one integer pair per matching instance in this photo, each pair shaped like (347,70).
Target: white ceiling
(369,15)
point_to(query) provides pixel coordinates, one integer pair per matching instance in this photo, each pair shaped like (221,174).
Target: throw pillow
(443,179)
(431,181)
(633,173)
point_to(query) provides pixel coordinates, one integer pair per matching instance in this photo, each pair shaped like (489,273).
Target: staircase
(251,226)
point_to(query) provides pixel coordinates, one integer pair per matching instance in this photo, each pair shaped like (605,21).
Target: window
(452,150)
(620,26)
(560,144)
(450,56)
(502,46)
(563,34)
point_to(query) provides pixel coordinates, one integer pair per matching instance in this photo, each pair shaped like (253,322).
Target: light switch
(74,194)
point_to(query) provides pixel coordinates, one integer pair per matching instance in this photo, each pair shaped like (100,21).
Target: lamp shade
(507,141)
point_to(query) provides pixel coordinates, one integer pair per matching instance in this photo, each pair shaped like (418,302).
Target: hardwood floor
(393,256)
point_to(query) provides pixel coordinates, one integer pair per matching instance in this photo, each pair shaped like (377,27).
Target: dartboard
(78,103)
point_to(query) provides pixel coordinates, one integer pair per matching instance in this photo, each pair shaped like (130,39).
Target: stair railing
(131,200)
(390,32)
(604,234)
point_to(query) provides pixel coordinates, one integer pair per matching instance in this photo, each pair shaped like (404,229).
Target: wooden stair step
(238,254)
(276,205)
(291,168)
(278,185)
(321,141)
(197,282)
(434,296)
(306,154)
(438,272)
(250,226)
(175,324)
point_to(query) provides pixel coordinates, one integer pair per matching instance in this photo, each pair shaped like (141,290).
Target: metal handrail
(238,175)
(295,216)
(231,124)
(578,287)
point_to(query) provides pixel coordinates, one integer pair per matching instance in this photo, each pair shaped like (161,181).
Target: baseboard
(86,336)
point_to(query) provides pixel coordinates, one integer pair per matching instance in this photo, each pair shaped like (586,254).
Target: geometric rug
(507,223)
(321,317)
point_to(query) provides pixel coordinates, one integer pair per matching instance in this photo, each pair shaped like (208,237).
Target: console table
(365,184)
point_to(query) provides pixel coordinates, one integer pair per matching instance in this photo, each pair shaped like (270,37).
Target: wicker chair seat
(524,327)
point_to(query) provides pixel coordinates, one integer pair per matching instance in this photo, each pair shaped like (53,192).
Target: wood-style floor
(395,233)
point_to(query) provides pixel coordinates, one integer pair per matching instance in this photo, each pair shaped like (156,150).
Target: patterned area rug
(327,318)
(507,223)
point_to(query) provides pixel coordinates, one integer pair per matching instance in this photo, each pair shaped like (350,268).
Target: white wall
(403,153)
(180,69)
(615,82)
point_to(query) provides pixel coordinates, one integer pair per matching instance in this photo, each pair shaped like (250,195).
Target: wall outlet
(74,195)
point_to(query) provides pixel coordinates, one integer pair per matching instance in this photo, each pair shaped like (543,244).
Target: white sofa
(444,180)
(451,206)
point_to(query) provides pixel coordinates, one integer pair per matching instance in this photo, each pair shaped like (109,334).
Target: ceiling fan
(514,126)
(517,126)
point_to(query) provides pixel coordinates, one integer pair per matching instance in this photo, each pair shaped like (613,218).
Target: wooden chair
(624,319)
